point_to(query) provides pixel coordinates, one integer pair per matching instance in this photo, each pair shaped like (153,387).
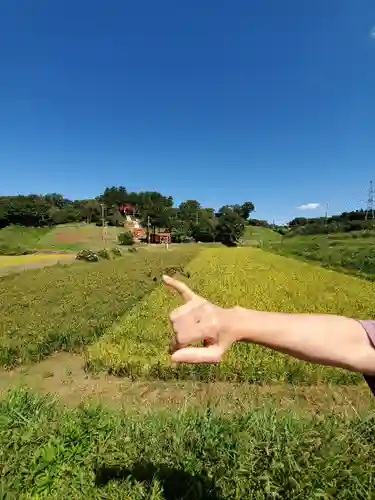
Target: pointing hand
(195,321)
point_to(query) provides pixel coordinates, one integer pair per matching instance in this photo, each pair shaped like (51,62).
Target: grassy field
(79,236)
(353,253)
(259,236)
(92,453)
(16,240)
(62,307)
(137,344)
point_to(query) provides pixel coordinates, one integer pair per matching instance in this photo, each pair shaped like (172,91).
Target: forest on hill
(154,210)
(157,212)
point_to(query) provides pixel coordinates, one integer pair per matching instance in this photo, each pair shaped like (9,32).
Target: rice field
(23,260)
(260,450)
(64,307)
(136,346)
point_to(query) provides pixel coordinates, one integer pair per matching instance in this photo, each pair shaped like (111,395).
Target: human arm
(322,339)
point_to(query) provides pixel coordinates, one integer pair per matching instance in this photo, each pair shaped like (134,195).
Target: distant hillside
(260,235)
(352,253)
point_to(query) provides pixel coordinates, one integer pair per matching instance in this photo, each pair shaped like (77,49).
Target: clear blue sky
(222,101)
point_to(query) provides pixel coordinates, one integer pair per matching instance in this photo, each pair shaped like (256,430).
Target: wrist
(238,324)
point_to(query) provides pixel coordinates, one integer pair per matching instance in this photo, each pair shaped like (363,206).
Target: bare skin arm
(322,339)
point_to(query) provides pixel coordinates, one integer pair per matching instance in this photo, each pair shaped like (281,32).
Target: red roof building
(128,208)
(160,237)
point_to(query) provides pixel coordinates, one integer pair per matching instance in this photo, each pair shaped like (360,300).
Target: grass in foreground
(353,253)
(137,345)
(90,453)
(62,307)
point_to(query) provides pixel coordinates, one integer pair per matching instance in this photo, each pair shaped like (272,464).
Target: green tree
(205,228)
(90,210)
(114,196)
(64,215)
(188,215)
(155,210)
(114,218)
(31,210)
(230,226)
(56,200)
(4,219)
(244,210)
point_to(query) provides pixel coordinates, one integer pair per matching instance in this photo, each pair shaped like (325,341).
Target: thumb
(180,287)
(193,355)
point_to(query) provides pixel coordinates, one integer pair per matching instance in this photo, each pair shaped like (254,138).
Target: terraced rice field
(63,307)
(32,259)
(168,440)
(137,344)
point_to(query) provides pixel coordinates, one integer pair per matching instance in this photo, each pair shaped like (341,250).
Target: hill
(258,236)
(352,253)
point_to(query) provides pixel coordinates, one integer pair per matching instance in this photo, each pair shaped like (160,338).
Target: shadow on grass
(177,484)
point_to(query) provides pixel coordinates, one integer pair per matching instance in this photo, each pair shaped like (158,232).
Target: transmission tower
(370,214)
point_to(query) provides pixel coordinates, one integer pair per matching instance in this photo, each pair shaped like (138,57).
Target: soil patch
(63,375)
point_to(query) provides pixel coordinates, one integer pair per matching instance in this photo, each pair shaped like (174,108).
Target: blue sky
(222,101)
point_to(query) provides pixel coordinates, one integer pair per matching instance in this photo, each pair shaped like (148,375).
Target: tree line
(155,211)
(345,222)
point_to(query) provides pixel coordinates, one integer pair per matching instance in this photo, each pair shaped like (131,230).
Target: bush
(116,252)
(126,238)
(87,255)
(104,254)
(177,237)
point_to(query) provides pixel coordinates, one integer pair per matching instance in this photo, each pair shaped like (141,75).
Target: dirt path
(63,375)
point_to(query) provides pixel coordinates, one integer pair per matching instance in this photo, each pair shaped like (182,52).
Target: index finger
(180,287)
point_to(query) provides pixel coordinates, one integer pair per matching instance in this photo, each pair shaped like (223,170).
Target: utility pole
(102,206)
(326,214)
(370,203)
(148,229)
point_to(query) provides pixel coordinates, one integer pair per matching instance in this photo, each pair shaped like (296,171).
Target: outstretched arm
(323,339)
